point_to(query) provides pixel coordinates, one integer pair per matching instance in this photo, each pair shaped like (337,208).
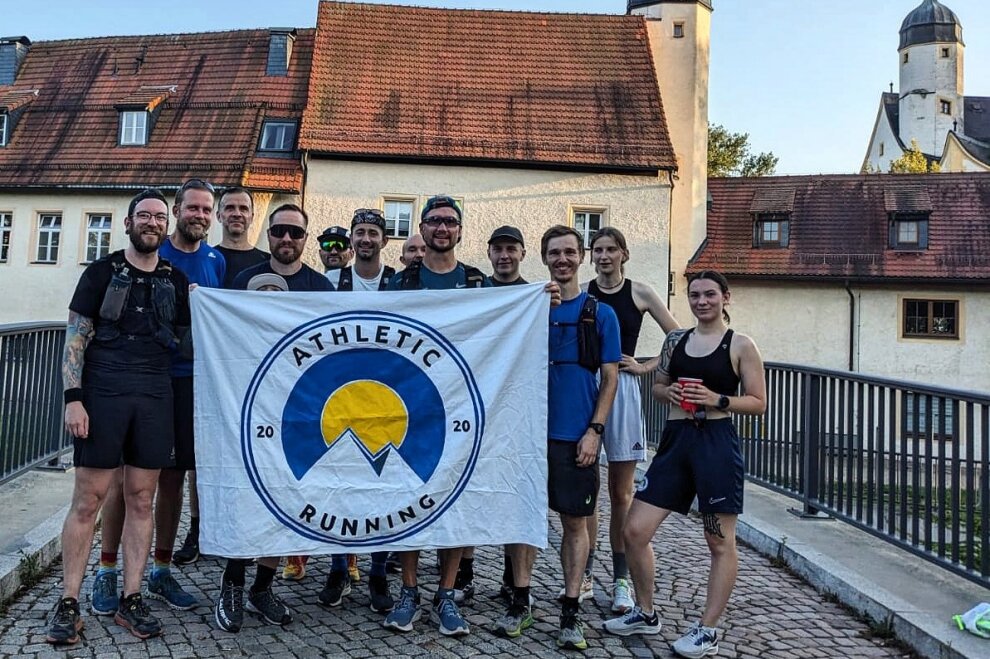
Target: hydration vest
(346,281)
(118,291)
(589,347)
(473,278)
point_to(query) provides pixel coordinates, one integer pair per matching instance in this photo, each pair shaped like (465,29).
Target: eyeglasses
(437,221)
(280,230)
(198,184)
(327,245)
(145,216)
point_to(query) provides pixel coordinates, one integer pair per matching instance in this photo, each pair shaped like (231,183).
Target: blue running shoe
(104,600)
(406,611)
(448,616)
(163,586)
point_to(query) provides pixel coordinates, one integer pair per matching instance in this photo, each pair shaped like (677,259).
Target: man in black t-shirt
(286,240)
(235,210)
(129,310)
(506,250)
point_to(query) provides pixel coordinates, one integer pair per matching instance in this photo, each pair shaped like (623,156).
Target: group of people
(129,394)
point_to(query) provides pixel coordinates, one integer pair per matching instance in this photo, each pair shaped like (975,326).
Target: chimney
(280,50)
(13,50)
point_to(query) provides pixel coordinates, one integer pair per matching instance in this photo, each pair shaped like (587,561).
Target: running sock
(163,558)
(465,570)
(569,606)
(264,576)
(108,562)
(620,570)
(520,595)
(338,563)
(507,576)
(194,525)
(378,560)
(590,565)
(234,572)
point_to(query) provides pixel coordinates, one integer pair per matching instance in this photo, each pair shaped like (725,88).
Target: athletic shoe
(65,623)
(352,569)
(103,601)
(164,587)
(229,609)
(135,616)
(463,592)
(587,591)
(447,616)
(189,552)
(622,601)
(514,621)
(295,568)
(405,612)
(698,642)
(336,587)
(267,605)
(634,622)
(571,634)
(381,598)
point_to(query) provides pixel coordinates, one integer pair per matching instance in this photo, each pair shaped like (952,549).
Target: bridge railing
(901,460)
(31,429)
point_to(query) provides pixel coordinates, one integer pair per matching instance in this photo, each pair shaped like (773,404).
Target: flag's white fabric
(329,422)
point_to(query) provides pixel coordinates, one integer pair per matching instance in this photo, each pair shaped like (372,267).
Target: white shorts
(623,439)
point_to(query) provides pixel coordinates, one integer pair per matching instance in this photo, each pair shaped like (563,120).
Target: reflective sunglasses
(327,245)
(279,231)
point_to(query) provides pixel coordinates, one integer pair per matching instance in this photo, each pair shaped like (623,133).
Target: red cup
(688,406)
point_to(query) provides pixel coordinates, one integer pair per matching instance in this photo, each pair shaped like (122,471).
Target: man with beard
(367,240)
(335,248)
(127,314)
(235,210)
(286,240)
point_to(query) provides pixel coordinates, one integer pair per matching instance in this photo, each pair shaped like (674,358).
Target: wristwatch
(598,428)
(723,403)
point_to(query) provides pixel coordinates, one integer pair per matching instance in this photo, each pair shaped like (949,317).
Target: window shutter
(785,232)
(923,234)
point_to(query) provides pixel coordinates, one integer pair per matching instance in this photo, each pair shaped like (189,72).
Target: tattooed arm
(663,390)
(78,334)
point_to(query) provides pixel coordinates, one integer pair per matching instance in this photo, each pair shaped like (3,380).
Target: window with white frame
(97,236)
(926,414)
(6,228)
(398,217)
(133,128)
(278,136)
(587,222)
(4,122)
(49,235)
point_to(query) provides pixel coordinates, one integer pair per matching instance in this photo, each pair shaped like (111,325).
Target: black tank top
(715,368)
(630,317)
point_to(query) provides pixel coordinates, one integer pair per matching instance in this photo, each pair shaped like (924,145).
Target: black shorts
(691,460)
(572,490)
(185,448)
(134,430)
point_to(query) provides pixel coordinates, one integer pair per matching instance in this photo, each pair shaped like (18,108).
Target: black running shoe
(65,623)
(267,605)
(338,585)
(229,609)
(189,552)
(135,616)
(381,598)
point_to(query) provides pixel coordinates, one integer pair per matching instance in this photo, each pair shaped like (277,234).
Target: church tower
(930,102)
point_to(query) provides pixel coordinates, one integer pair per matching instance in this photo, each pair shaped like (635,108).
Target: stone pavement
(772,614)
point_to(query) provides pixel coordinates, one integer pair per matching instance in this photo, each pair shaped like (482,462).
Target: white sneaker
(634,622)
(698,642)
(622,601)
(587,591)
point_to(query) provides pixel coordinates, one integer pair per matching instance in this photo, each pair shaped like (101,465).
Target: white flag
(357,422)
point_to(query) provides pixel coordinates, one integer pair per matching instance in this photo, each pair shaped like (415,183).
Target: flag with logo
(357,422)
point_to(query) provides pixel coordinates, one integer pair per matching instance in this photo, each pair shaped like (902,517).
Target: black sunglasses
(279,231)
(198,184)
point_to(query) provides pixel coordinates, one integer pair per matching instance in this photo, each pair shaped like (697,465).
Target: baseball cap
(335,233)
(257,282)
(507,233)
(441,201)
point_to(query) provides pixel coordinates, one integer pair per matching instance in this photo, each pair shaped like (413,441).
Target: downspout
(304,163)
(852,325)
(670,238)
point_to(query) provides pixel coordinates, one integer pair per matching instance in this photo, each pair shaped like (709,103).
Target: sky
(802,77)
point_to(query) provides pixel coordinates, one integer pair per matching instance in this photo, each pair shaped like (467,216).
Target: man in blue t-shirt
(579,401)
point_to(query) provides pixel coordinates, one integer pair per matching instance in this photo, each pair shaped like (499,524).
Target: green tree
(914,162)
(728,155)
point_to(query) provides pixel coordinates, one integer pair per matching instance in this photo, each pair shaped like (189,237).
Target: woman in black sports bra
(699,376)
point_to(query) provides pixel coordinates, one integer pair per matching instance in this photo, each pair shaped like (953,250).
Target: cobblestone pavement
(772,614)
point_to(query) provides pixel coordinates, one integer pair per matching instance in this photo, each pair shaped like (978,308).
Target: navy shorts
(132,430)
(705,462)
(185,448)
(572,490)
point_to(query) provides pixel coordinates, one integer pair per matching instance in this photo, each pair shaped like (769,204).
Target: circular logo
(361,428)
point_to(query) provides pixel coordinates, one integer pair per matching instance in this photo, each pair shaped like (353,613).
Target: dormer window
(133,128)
(278,136)
(3,129)
(771,230)
(909,231)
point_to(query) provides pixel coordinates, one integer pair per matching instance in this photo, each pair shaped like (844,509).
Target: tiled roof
(839,228)
(14,99)
(976,117)
(411,82)
(207,127)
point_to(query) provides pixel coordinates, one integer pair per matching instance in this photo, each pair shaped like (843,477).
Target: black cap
(441,201)
(508,233)
(335,233)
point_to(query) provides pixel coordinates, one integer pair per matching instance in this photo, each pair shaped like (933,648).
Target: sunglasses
(327,245)
(198,184)
(280,230)
(437,221)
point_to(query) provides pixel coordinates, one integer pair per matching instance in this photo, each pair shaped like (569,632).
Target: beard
(286,254)
(146,243)
(191,232)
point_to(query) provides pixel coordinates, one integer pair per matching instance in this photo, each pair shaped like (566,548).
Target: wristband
(73,395)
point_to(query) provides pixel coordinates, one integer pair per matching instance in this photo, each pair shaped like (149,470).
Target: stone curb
(43,543)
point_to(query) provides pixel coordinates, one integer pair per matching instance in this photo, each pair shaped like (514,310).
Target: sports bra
(714,369)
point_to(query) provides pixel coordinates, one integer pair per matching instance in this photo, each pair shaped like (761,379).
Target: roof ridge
(469,10)
(73,40)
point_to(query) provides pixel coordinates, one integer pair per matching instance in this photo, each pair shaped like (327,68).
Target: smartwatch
(598,428)
(723,403)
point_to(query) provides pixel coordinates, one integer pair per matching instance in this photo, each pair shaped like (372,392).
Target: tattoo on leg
(712,525)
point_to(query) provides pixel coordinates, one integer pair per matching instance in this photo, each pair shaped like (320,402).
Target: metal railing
(903,461)
(31,431)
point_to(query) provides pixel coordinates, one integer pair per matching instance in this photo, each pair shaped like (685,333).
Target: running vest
(589,347)
(630,317)
(473,278)
(162,298)
(346,281)
(715,368)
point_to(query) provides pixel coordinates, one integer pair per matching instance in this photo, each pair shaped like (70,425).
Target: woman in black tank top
(699,376)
